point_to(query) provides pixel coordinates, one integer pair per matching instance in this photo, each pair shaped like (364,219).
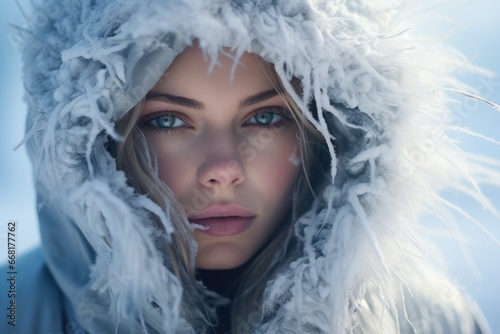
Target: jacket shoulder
(30,296)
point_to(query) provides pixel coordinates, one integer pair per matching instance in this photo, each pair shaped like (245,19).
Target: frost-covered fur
(384,95)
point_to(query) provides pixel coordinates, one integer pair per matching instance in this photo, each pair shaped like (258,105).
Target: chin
(220,256)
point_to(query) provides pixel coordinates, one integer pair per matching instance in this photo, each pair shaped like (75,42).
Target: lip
(223,220)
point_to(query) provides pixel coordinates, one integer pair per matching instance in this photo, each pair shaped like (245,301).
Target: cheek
(172,171)
(275,170)
(276,174)
(174,164)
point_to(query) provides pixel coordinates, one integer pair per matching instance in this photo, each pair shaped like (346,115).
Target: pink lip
(223,220)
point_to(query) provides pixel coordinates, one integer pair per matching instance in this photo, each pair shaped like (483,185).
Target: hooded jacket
(382,98)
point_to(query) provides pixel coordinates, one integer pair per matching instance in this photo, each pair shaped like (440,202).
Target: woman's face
(227,147)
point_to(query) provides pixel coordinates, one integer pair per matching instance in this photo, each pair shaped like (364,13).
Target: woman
(233,166)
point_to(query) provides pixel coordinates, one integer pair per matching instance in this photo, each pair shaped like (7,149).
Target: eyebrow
(178,100)
(193,104)
(266,95)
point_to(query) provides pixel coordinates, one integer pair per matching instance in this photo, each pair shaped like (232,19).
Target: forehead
(191,71)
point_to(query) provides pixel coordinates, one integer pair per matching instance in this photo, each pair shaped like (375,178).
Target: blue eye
(165,122)
(268,118)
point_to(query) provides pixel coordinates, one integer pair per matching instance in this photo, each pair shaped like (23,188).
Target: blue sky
(477,36)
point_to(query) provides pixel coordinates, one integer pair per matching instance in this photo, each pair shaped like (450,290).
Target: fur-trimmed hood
(384,91)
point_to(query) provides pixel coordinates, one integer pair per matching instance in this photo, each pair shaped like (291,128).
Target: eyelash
(279,111)
(145,121)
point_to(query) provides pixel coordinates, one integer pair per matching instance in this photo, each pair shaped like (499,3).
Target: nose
(222,165)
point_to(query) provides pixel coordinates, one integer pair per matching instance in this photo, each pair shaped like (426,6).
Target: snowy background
(476,33)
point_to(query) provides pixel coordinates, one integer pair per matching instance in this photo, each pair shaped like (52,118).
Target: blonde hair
(132,157)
